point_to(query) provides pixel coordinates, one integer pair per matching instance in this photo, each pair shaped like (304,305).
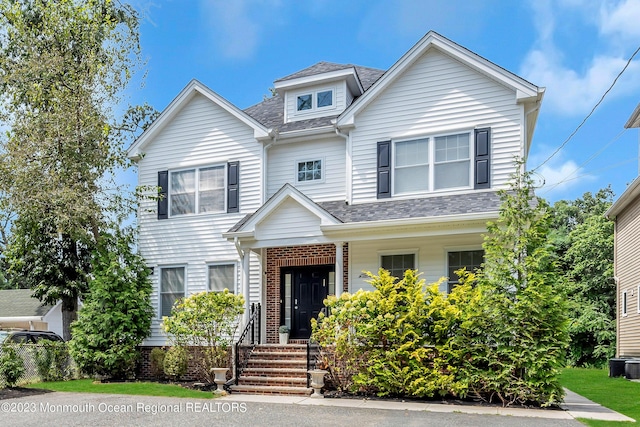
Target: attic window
(325,98)
(304,102)
(310,171)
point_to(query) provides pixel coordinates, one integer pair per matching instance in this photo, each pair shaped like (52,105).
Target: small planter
(220,376)
(283,334)
(317,382)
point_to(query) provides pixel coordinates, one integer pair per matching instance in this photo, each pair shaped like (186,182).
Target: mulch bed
(15,392)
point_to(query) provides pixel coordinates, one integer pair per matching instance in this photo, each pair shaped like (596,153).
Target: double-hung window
(456,260)
(432,164)
(198,190)
(397,264)
(221,277)
(172,282)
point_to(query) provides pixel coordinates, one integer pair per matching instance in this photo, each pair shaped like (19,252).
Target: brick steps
(275,369)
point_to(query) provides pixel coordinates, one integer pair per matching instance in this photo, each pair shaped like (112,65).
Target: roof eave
(623,201)
(634,120)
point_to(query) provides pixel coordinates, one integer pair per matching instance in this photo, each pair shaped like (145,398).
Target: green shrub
(208,320)
(117,313)
(176,362)
(52,360)
(11,365)
(157,362)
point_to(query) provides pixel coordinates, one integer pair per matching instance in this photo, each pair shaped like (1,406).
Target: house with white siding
(345,169)
(625,213)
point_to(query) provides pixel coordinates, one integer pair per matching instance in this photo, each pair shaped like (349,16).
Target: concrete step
(280,390)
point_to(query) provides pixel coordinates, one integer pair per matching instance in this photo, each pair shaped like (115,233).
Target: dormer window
(321,99)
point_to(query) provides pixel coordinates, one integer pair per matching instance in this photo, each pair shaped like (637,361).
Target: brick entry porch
(295,256)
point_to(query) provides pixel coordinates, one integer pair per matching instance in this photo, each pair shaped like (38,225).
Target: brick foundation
(143,371)
(295,256)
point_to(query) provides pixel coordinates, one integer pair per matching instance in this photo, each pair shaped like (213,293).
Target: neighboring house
(345,169)
(18,309)
(625,212)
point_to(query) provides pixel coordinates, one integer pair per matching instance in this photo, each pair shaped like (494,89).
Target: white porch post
(339,268)
(246,255)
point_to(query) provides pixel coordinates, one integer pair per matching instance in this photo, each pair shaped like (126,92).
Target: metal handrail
(311,364)
(253,339)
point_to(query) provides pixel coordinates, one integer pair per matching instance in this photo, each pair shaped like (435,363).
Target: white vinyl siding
(432,261)
(290,221)
(200,135)
(437,95)
(283,168)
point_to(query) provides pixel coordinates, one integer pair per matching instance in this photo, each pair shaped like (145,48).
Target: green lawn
(134,388)
(616,393)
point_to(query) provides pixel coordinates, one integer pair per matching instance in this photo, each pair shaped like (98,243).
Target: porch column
(339,268)
(246,255)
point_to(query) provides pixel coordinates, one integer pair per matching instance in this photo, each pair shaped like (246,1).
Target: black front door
(303,292)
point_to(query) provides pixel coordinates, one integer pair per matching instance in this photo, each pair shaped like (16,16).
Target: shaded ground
(15,392)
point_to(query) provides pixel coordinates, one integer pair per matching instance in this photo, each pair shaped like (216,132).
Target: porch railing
(313,351)
(250,336)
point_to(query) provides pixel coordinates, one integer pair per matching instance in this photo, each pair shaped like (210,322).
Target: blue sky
(574,48)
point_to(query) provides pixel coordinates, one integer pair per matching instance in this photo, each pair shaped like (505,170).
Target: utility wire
(591,112)
(624,162)
(568,177)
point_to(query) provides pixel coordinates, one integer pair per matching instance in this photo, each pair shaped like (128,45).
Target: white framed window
(432,163)
(172,288)
(456,260)
(624,303)
(310,170)
(399,262)
(315,100)
(222,276)
(197,190)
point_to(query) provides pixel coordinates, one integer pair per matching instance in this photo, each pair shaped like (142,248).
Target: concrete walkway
(575,406)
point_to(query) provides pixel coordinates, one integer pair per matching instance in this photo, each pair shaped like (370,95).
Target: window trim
(624,303)
(235,275)
(197,169)
(431,138)
(314,100)
(313,181)
(408,251)
(160,293)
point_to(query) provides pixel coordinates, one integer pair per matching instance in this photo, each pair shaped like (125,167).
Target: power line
(624,162)
(596,154)
(591,112)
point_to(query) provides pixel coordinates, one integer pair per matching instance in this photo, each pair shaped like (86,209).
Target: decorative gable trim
(524,90)
(287,192)
(193,88)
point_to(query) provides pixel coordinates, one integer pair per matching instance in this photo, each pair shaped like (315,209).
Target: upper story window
(311,101)
(197,190)
(431,164)
(310,171)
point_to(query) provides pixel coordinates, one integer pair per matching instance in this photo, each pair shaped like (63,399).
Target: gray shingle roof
(19,302)
(459,204)
(270,112)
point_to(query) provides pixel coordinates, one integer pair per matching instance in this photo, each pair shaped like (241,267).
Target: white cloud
(575,91)
(236,26)
(559,177)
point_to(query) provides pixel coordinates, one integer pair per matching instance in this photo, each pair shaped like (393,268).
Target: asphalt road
(71,409)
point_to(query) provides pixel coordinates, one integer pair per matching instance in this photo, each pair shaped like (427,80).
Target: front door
(303,291)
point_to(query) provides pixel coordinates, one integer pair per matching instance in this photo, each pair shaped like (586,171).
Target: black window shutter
(233,187)
(163,195)
(384,169)
(482,160)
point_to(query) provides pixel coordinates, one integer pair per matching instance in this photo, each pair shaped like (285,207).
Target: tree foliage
(63,66)
(498,336)
(208,320)
(583,243)
(117,312)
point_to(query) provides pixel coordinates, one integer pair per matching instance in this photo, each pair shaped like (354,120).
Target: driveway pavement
(75,409)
